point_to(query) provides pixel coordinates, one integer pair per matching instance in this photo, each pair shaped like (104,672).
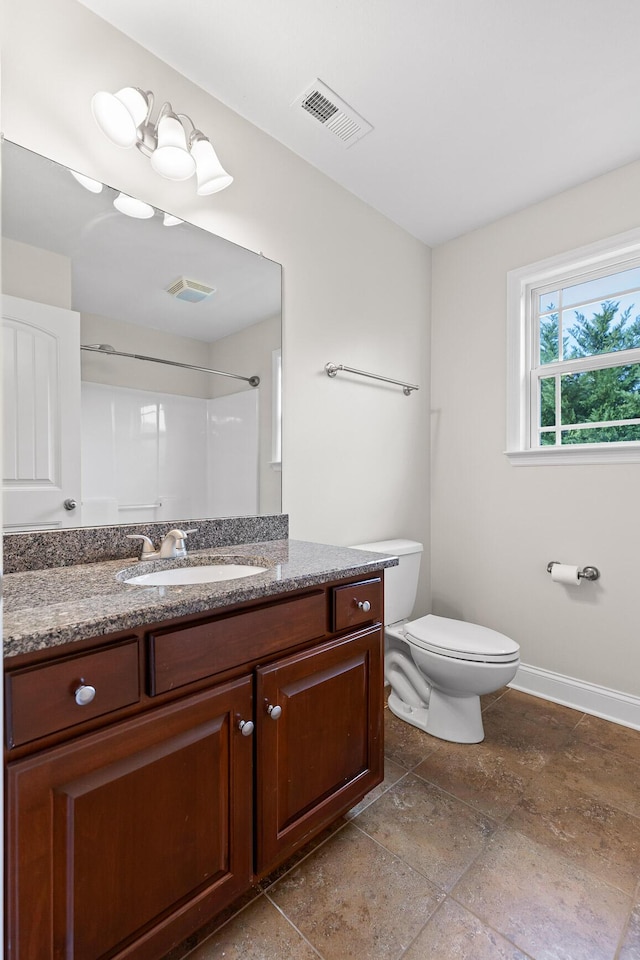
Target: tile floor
(524,846)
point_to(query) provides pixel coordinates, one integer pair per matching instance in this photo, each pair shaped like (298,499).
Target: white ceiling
(479,107)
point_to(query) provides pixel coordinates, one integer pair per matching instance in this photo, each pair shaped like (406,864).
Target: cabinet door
(324,750)
(123,842)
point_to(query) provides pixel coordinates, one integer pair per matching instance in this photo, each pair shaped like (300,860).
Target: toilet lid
(463,641)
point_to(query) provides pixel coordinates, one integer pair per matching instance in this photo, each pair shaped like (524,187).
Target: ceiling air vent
(190,290)
(336,116)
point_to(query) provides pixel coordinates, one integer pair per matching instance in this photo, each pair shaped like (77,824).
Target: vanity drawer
(42,700)
(194,653)
(357,603)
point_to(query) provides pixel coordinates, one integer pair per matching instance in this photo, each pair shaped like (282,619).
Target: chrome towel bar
(333,368)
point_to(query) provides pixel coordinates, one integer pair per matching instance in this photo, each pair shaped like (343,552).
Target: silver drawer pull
(274,711)
(364,605)
(84,694)
(245,727)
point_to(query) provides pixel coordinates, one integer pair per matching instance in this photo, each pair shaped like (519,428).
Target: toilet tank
(401,582)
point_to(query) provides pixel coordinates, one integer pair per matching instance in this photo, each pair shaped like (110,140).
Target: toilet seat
(460,640)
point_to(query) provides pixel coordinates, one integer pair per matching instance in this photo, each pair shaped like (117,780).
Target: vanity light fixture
(124,203)
(125,118)
(87,182)
(133,207)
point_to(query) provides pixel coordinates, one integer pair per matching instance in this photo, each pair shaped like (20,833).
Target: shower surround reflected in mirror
(129,440)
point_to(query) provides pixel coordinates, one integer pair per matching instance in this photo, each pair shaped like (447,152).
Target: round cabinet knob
(245,727)
(84,694)
(274,711)
(364,605)
(70,503)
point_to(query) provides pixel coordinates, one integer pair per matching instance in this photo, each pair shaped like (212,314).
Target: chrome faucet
(172,546)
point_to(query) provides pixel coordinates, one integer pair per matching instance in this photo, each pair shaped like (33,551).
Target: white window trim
(520,348)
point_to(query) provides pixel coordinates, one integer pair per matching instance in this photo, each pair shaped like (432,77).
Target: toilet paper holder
(587,573)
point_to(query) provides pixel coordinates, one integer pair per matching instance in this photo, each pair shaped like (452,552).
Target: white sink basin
(210,573)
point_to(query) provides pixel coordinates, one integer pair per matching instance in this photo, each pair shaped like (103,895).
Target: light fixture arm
(196,135)
(147,131)
(150,100)
(185,116)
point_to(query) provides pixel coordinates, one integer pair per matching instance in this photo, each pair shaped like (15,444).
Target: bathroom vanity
(167,747)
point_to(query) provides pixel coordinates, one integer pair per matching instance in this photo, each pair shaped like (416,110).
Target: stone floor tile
(542,902)
(453,933)
(392,773)
(530,743)
(602,774)
(429,829)
(589,832)
(353,900)
(630,949)
(515,705)
(300,854)
(490,778)
(623,741)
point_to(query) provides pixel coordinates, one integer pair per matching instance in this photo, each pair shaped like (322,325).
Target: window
(574,356)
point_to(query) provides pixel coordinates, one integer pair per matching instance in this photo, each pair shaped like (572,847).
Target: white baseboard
(590,698)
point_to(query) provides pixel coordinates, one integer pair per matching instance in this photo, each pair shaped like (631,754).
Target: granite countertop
(46,608)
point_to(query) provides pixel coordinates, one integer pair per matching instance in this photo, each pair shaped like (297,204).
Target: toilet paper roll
(565,573)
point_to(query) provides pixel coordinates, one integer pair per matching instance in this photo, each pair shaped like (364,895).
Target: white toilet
(438,668)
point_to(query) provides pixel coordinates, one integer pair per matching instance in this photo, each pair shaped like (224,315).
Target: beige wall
(35,274)
(356,287)
(495,526)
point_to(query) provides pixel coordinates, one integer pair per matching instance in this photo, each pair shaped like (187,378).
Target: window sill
(541,457)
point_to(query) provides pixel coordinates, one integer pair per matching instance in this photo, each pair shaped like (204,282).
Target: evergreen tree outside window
(574,356)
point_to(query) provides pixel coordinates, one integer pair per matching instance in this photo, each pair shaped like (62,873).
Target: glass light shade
(120,114)
(93,185)
(132,207)
(210,174)
(171,158)
(169,220)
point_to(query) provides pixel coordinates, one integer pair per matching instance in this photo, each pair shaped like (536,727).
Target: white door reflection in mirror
(41,415)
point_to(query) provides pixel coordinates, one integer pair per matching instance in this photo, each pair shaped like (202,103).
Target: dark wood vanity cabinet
(322,753)
(126,831)
(124,838)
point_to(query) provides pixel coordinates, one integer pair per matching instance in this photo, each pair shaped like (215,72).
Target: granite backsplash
(38,550)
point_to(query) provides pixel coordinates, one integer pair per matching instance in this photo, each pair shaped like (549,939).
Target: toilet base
(457,719)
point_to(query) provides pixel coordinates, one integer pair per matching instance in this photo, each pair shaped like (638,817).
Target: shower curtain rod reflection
(110,351)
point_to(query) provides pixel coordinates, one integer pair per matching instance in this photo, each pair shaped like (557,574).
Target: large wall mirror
(93,433)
